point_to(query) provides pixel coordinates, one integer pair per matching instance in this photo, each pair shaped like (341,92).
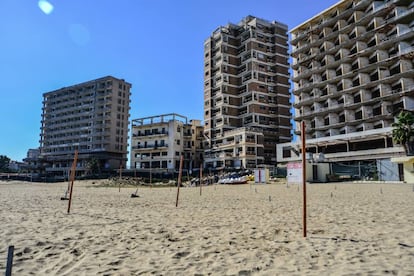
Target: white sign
(261,175)
(294,173)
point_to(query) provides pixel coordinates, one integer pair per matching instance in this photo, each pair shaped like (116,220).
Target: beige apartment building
(246,94)
(352,73)
(91,117)
(158,142)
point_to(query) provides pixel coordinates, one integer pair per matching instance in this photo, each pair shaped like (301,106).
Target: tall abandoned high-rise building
(246,93)
(91,117)
(352,73)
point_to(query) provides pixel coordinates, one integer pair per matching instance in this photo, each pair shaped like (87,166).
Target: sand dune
(365,229)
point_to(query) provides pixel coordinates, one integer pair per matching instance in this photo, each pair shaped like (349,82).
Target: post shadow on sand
(134,195)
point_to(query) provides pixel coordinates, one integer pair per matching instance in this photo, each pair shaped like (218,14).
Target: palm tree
(403,132)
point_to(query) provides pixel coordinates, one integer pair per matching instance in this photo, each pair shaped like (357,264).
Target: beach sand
(365,229)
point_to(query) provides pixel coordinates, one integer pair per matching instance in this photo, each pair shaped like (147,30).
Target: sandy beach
(353,229)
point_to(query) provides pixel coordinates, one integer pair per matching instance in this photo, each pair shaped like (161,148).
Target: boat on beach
(233,179)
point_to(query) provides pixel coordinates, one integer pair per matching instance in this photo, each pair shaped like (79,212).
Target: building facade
(246,93)
(31,162)
(352,73)
(90,117)
(158,142)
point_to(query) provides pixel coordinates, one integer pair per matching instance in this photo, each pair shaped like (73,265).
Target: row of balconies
(351,70)
(150,133)
(382,66)
(76,122)
(70,146)
(97,132)
(259,74)
(70,149)
(357,14)
(80,97)
(318,101)
(57,137)
(370,117)
(341,33)
(358,79)
(264,54)
(323,124)
(361,43)
(342,49)
(71,103)
(363,95)
(57,98)
(348,129)
(52,119)
(150,146)
(64,107)
(62,136)
(342,115)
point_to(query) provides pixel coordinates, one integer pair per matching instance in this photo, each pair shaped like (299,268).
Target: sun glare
(45,6)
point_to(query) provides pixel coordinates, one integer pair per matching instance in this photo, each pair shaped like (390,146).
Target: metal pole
(201,176)
(304,176)
(179,180)
(9,261)
(120,176)
(72,178)
(150,164)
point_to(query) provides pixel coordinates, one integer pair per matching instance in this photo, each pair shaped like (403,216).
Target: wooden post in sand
(201,177)
(120,176)
(150,167)
(9,264)
(136,180)
(72,178)
(179,180)
(304,176)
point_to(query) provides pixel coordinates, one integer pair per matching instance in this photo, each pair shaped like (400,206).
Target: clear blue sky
(157,45)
